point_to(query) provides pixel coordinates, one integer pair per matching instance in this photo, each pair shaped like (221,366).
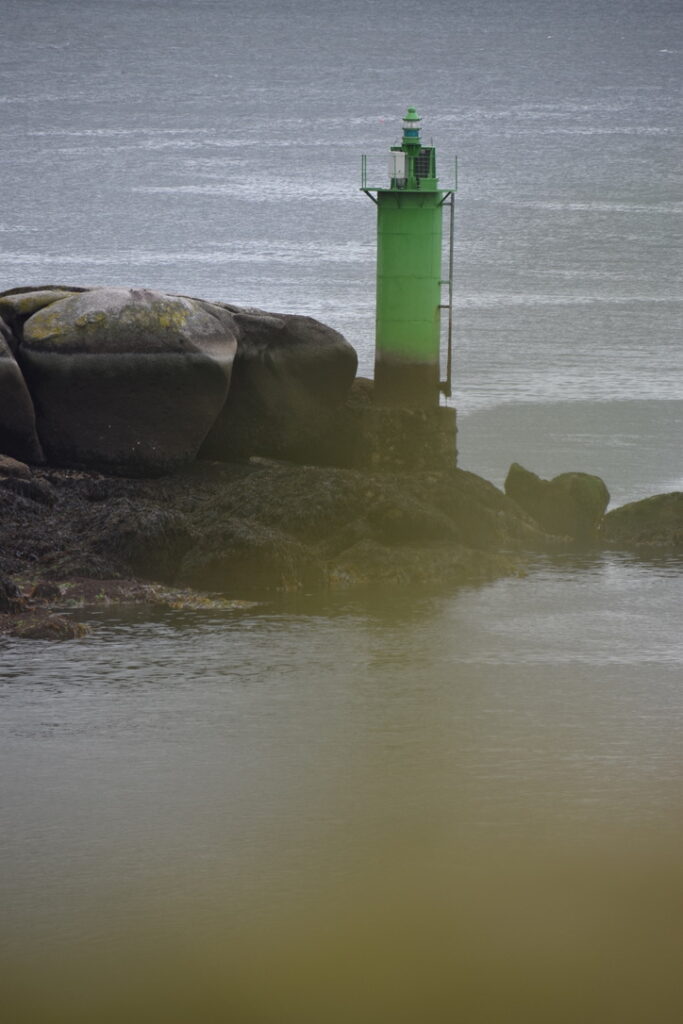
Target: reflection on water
(395,806)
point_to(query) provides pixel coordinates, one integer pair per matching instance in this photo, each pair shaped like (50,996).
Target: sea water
(423,805)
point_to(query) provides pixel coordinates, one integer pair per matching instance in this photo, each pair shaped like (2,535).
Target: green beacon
(410,289)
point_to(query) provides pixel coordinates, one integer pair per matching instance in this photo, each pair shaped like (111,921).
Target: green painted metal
(409,245)
(408,274)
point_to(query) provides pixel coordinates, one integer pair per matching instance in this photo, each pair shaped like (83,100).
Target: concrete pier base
(363,434)
(403,440)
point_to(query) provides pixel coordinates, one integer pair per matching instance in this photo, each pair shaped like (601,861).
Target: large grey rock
(571,504)
(127,380)
(18,436)
(291,374)
(655,522)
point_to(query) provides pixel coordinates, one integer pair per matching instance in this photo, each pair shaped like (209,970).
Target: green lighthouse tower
(410,301)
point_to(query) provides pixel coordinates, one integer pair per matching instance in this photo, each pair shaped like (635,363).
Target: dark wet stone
(655,522)
(290,375)
(46,592)
(31,489)
(11,601)
(18,433)
(571,504)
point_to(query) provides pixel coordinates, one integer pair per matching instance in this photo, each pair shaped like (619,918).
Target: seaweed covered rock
(247,529)
(19,618)
(127,380)
(290,375)
(240,556)
(139,536)
(655,522)
(571,504)
(39,625)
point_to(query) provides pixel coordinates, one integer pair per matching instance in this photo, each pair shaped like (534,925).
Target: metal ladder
(445,386)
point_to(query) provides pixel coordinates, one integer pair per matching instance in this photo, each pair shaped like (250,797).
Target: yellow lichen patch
(121,321)
(94,317)
(46,325)
(25,304)
(161,317)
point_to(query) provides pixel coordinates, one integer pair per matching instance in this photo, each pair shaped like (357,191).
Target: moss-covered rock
(571,504)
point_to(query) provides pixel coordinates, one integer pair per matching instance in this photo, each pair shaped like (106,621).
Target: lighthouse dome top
(411,124)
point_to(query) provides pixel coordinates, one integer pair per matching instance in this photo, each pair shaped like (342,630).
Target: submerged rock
(40,626)
(126,379)
(20,618)
(571,504)
(655,522)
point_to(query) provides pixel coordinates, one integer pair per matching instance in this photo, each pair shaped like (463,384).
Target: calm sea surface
(395,806)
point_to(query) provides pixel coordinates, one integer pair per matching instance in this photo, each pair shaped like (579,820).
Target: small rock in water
(47,627)
(655,522)
(571,504)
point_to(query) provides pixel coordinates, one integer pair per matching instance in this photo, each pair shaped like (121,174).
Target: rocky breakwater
(159,448)
(243,530)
